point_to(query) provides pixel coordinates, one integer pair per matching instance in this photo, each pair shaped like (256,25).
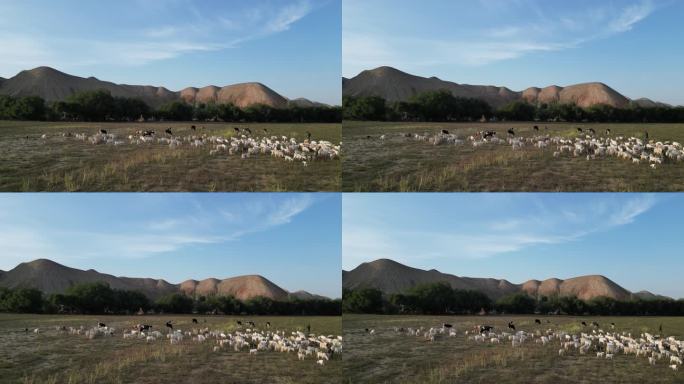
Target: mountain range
(53,85)
(392,277)
(51,277)
(394,85)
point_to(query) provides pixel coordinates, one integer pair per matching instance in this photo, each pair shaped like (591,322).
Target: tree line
(100,298)
(441,299)
(442,105)
(100,105)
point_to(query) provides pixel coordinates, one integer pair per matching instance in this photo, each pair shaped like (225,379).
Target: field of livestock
(419,349)
(40,156)
(75,349)
(387,156)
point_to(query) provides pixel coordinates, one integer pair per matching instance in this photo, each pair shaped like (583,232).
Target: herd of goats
(592,340)
(246,338)
(587,144)
(243,143)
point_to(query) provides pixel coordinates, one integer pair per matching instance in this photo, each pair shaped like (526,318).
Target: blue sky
(291,239)
(293,46)
(631,45)
(634,239)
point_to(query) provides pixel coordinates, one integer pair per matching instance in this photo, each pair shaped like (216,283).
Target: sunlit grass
(406,165)
(67,164)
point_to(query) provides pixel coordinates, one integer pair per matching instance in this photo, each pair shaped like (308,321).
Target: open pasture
(378,156)
(74,349)
(40,156)
(387,349)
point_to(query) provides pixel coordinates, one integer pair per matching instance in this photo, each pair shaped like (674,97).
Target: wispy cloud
(205,31)
(461,43)
(25,236)
(631,15)
(546,225)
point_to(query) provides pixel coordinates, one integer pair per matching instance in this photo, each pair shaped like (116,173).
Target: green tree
(433,298)
(96,105)
(520,303)
(92,297)
(365,300)
(517,111)
(175,303)
(176,111)
(21,300)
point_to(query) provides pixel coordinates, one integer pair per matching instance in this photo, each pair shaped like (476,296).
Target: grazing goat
(194,321)
(537,321)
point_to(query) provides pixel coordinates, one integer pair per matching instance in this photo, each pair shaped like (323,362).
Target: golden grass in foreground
(391,358)
(67,164)
(50,357)
(403,165)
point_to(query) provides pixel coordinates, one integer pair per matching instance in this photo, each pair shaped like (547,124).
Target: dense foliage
(100,105)
(440,298)
(98,298)
(427,106)
(443,106)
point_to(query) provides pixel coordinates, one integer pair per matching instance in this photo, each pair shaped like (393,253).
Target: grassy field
(57,163)
(388,357)
(399,164)
(51,357)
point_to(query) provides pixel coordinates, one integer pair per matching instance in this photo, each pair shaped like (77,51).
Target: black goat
(194,321)
(168,131)
(103,131)
(445,132)
(485,328)
(101,325)
(511,325)
(511,131)
(447,325)
(169,325)
(537,321)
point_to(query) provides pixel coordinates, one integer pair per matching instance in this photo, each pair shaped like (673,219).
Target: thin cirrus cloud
(27,234)
(401,232)
(415,43)
(25,45)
